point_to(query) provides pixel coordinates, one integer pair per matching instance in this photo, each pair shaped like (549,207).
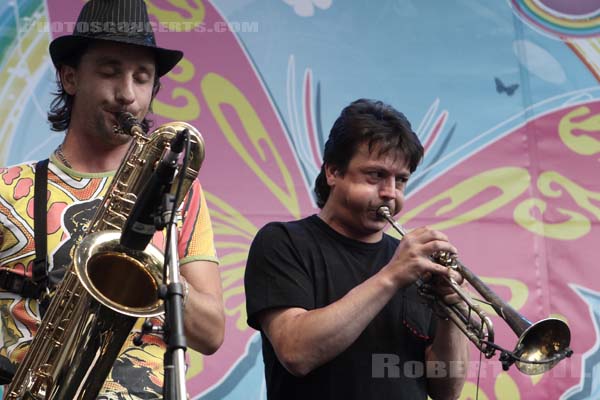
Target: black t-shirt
(307,264)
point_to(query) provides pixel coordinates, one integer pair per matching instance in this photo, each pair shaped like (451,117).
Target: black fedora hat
(123,21)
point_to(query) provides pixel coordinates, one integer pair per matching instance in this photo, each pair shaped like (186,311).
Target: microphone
(140,225)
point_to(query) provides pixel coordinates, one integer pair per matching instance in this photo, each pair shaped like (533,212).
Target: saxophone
(107,287)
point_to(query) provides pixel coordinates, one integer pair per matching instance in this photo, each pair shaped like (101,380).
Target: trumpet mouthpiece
(384,212)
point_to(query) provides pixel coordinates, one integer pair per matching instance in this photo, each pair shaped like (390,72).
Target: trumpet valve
(446,259)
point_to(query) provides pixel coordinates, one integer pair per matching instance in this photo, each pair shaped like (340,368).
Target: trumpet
(540,345)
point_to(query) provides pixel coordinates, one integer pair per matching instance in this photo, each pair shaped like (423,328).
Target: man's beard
(110,133)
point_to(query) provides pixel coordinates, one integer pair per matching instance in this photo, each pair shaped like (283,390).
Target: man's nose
(124,92)
(387,188)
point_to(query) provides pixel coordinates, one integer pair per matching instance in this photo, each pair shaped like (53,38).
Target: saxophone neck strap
(40,212)
(35,286)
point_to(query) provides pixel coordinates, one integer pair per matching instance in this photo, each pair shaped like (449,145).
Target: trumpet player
(335,297)
(103,68)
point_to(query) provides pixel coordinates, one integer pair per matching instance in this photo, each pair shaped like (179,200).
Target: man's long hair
(59,115)
(372,122)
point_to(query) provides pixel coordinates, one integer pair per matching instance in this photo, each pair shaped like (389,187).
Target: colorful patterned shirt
(72,200)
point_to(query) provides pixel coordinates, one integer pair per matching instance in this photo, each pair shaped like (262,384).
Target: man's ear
(68,79)
(331,172)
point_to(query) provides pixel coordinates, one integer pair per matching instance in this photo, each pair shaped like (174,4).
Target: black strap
(40,216)
(36,286)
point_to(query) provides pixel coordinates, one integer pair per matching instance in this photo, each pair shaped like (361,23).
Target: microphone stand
(171,291)
(173,294)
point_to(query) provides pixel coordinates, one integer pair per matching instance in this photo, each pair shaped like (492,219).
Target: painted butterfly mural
(518,195)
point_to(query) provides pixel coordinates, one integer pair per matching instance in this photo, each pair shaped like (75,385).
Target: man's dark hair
(59,115)
(372,122)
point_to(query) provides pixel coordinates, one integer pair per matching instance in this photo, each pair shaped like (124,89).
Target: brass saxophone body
(107,287)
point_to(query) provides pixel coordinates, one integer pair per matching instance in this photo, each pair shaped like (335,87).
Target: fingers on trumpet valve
(442,285)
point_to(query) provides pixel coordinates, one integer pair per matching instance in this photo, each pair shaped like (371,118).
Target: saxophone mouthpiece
(128,125)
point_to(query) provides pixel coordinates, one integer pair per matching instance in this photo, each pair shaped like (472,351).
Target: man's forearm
(204,322)
(305,340)
(447,362)
(204,316)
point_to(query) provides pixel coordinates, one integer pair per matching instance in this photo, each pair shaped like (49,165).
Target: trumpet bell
(542,345)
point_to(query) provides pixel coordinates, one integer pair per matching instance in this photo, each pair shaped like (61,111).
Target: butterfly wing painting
(510,177)
(499,203)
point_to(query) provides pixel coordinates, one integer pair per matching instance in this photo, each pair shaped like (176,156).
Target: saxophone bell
(124,280)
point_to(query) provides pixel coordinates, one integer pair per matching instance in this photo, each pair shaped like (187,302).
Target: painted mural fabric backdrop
(503,94)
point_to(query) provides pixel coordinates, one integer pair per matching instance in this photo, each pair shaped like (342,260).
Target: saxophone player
(334,297)
(103,69)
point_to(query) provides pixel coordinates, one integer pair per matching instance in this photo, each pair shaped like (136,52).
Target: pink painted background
(494,246)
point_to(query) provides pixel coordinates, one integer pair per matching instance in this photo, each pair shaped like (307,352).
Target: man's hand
(412,260)
(442,286)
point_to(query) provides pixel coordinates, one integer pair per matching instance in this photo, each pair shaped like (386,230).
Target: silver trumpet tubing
(540,345)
